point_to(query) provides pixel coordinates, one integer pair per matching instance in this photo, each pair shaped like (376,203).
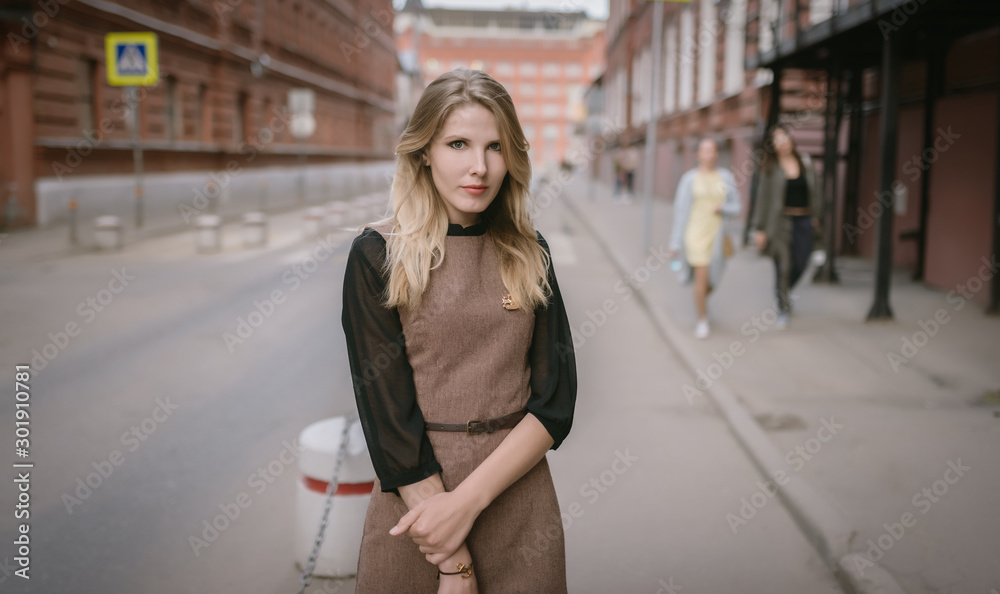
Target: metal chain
(331,488)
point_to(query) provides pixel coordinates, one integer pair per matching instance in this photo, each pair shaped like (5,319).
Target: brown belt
(476,427)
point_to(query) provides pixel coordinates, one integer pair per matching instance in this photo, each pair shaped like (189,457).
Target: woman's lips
(475,190)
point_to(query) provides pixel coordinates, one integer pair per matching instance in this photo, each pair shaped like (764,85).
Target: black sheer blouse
(383,379)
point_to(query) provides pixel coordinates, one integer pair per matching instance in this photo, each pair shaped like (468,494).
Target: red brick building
(731,68)
(546,60)
(225,70)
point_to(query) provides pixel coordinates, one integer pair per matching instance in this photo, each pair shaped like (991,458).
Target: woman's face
(708,154)
(466,163)
(782,143)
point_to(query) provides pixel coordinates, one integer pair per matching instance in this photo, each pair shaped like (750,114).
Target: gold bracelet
(463,570)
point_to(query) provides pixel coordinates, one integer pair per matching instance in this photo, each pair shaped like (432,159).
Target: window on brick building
(551,90)
(202,116)
(528,69)
(86,100)
(504,69)
(528,89)
(173,116)
(574,70)
(240,124)
(550,69)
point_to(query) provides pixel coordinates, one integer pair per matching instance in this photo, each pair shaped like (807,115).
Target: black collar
(475,229)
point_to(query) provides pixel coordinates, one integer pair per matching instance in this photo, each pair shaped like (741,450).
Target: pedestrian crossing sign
(131,59)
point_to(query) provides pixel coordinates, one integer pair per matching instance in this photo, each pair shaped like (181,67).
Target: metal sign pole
(654,98)
(133,101)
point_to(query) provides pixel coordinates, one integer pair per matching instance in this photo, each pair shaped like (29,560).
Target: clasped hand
(438,524)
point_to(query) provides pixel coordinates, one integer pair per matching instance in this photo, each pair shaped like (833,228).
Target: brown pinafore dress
(469,357)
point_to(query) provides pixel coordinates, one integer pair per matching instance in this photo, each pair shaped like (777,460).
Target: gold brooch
(508,302)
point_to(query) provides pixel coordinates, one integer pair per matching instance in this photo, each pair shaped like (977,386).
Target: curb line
(824,527)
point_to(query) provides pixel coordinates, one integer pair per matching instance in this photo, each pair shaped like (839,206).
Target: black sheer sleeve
(383,379)
(553,364)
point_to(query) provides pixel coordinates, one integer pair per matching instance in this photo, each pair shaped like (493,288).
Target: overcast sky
(595,8)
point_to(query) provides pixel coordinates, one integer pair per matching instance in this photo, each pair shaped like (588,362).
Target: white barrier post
(314,220)
(254,229)
(208,231)
(108,232)
(319,442)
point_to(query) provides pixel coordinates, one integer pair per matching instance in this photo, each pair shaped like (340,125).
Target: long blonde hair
(417,243)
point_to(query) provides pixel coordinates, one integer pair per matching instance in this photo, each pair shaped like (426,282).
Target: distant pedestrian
(704,196)
(461,357)
(787,214)
(619,174)
(629,164)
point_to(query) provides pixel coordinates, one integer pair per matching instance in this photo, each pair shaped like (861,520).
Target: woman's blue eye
(495,146)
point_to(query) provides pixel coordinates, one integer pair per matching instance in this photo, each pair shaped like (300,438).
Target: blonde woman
(461,356)
(704,196)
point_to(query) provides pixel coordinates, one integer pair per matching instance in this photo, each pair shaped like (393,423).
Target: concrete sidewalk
(895,433)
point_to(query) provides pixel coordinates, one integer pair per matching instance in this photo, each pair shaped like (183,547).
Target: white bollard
(254,229)
(108,232)
(319,442)
(209,233)
(314,220)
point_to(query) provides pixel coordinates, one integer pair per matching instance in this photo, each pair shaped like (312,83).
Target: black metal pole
(935,83)
(854,151)
(888,136)
(831,160)
(993,306)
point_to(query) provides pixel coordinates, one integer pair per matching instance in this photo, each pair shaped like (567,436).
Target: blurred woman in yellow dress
(704,196)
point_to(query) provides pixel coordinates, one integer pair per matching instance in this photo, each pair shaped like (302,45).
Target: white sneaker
(701,330)
(782,322)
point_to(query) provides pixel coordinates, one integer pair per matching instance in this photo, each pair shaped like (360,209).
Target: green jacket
(771,198)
